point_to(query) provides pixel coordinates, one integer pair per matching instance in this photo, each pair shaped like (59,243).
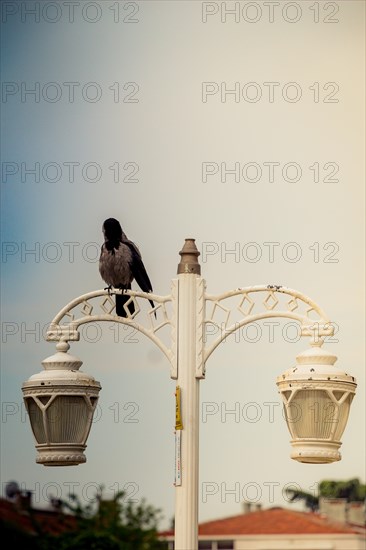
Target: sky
(239,124)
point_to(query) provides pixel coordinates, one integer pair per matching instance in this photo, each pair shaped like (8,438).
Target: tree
(116,524)
(352,490)
(14,537)
(310,500)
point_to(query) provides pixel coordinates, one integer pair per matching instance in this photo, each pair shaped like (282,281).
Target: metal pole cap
(189,258)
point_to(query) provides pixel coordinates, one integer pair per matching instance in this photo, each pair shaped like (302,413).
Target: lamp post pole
(64,393)
(186,499)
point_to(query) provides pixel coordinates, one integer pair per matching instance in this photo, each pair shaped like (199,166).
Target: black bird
(120,263)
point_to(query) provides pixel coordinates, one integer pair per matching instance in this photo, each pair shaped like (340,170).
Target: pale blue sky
(169,133)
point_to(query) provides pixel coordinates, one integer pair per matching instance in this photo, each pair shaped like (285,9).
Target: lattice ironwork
(227,312)
(246,305)
(100,306)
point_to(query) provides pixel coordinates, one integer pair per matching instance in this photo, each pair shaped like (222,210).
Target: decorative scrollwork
(100,306)
(260,302)
(227,312)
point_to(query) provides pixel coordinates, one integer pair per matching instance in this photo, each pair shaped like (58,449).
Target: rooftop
(274,521)
(33,520)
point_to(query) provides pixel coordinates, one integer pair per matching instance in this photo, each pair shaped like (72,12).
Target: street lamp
(60,402)
(317,396)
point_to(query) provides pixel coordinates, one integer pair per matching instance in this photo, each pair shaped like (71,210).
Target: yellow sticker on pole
(178,414)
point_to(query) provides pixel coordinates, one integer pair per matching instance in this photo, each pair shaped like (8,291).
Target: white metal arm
(90,308)
(253,303)
(262,302)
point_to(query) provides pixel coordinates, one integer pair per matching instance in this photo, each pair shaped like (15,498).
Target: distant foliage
(13,537)
(311,501)
(353,490)
(116,524)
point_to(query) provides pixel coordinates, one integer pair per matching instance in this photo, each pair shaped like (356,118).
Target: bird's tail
(121,300)
(153,305)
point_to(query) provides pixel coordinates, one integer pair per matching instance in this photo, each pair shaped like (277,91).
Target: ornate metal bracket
(252,304)
(99,306)
(256,303)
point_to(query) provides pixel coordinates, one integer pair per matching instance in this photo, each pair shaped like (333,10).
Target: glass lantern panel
(344,409)
(36,420)
(313,415)
(69,419)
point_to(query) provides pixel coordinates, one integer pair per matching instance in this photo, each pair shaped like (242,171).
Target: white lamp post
(317,396)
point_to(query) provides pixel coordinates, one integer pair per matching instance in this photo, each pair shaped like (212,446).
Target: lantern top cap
(62,360)
(316,355)
(60,370)
(313,366)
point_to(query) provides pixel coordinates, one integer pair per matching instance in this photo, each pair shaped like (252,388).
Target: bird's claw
(109,288)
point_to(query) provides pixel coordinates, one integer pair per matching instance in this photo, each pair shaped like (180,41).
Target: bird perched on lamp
(120,263)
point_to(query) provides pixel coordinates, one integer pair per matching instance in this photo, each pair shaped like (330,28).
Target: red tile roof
(274,521)
(48,521)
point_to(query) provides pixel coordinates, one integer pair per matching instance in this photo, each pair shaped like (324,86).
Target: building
(276,529)
(339,509)
(19,514)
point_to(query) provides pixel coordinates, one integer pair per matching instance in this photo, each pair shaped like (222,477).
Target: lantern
(60,402)
(317,397)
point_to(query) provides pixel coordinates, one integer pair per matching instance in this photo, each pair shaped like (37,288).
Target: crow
(120,263)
